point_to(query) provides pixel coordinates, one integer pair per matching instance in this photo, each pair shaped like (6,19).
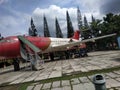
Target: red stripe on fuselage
(41,42)
(10,46)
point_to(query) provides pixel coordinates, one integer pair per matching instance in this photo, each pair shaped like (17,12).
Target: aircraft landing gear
(33,60)
(16,64)
(52,56)
(34,68)
(67,53)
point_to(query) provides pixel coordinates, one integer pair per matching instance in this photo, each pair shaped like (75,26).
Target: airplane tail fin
(76,35)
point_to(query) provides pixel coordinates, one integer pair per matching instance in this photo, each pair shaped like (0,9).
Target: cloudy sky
(15,15)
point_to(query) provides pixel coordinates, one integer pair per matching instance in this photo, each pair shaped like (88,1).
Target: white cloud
(3,1)
(10,26)
(14,25)
(89,5)
(56,11)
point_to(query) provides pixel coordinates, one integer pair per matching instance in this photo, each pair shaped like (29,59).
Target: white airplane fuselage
(58,42)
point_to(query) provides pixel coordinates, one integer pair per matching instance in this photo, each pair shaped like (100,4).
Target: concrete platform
(96,61)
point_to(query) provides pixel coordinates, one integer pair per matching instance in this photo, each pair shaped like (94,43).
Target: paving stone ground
(79,83)
(96,61)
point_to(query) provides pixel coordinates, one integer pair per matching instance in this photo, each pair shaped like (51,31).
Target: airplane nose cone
(9,49)
(1,50)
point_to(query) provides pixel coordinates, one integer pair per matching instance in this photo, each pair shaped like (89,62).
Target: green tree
(46,29)
(86,26)
(93,19)
(70,30)
(95,27)
(32,30)
(58,29)
(79,19)
(108,25)
(111,24)
(1,37)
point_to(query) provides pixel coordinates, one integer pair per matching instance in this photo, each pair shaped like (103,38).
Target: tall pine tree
(58,29)
(46,29)
(1,37)
(87,31)
(70,30)
(79,19)
(93,19)
(86,23)
(93,25)
(32,29)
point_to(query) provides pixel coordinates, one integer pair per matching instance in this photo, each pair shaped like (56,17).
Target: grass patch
(24,86)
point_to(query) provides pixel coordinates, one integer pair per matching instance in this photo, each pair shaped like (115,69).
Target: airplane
(28,46)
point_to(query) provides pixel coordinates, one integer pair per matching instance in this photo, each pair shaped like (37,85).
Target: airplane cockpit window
(3,40)
(6,40)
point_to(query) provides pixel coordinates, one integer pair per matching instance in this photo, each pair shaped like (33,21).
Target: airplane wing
(71,44)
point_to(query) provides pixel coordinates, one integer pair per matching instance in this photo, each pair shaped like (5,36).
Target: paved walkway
(79,83)
(96,61)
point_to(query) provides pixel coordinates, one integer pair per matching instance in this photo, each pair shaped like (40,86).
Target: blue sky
(15,15)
